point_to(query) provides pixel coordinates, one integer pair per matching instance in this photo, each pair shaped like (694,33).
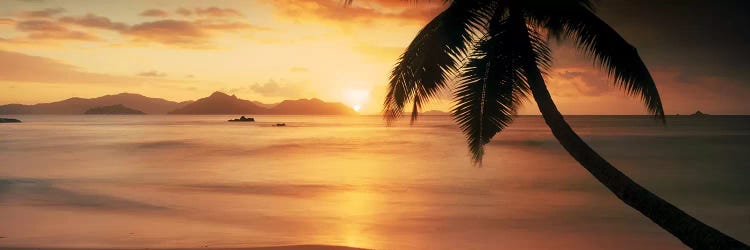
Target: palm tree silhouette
(497,51)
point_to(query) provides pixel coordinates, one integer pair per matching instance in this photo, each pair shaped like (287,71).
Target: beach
(294,247)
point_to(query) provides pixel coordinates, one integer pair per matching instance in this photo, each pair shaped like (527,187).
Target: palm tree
(497,50)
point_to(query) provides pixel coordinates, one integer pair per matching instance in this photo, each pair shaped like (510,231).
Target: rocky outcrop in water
(243,119)
(699,113)
(9,120)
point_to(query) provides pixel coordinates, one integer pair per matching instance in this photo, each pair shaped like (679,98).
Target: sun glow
(356,97)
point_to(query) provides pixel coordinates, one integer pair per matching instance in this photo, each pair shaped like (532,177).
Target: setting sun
(356,97)
(374,124)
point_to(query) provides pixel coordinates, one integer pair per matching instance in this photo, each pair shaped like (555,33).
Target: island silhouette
(217,103)
(118,109)
(77,106)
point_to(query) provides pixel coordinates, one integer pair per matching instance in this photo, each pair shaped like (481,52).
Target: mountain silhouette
(78,105)
(219,103)
(310,107)
(118,109)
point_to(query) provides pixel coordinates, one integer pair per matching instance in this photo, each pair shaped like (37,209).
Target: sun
(356,98)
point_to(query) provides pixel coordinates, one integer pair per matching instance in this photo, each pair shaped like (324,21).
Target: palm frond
(492,85)
(434,56)
(610,51)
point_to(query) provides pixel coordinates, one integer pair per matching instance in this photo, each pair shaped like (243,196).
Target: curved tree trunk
(689,230)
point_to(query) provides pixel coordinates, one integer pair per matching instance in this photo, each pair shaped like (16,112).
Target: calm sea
(194,181)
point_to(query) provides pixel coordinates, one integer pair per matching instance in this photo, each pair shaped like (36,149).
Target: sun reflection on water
(356,210)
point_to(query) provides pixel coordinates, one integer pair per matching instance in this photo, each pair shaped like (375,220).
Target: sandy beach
(293,247)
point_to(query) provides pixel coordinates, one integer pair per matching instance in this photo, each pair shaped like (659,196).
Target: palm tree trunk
(689,230)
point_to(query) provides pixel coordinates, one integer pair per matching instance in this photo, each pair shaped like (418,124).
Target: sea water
(199,181)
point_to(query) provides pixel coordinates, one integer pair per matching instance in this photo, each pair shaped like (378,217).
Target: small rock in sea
(243,119)
(280,125)
(9,120)
(699,113)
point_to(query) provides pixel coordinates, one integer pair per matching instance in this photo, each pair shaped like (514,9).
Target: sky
(272,50)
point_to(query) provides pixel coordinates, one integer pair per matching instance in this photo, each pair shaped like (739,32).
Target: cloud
(581,88)
(191,33)
(39,25)
(69,35)
(94,21)
(45,29)
(272,88)
(18,67)
(218,12)
(44,13)
(7,21)
(224,25)
(169,32)
(182,33)
(152,73)
(689,35)
(154,13)
(362,11)
(580,82)
(184,12)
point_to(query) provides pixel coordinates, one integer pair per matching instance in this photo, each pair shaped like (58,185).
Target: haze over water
(193,181)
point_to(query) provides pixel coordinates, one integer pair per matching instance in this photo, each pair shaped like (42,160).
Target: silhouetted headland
(310,107)
(222,104)
(77,106)
(118,109)
(217,103)
(699,114)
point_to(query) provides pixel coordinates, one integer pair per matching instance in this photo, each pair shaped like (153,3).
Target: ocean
(199,181)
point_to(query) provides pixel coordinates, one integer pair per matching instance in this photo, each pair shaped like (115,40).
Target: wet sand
(294,247)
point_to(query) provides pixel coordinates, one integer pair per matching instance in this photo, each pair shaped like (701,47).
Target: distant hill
(77,105)
(310,107)
(118,109)
(219,103)
(699,113)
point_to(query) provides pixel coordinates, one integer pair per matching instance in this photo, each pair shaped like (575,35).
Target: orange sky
(265,50)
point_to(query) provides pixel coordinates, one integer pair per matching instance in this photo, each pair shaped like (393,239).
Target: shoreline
(286,247)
